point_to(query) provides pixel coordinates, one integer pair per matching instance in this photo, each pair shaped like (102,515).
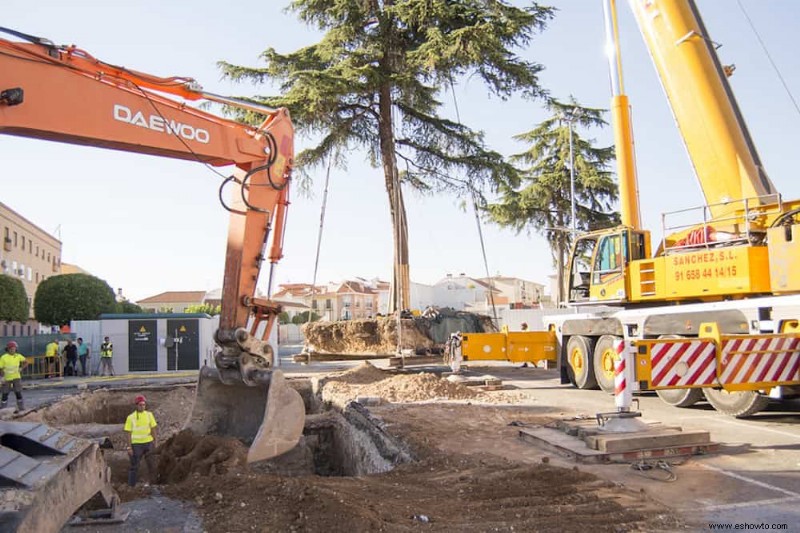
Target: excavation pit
(345,441)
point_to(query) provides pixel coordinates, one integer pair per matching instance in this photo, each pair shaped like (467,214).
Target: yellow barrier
(40,367)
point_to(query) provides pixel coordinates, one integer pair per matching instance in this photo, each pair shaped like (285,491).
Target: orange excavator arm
(62,93)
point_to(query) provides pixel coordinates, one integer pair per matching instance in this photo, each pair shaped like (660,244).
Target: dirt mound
(439,493)
(187,454)
(366,380)
(423,334)
(363,337)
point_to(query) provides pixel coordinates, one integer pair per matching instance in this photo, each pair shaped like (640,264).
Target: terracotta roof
(175,297)
(67,268)
(354,286)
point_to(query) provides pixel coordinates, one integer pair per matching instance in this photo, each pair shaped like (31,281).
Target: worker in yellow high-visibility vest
(51,354)
(141,424)
(11,365)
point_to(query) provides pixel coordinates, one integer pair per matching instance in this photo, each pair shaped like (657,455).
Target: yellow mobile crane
(715,310)
(735,333)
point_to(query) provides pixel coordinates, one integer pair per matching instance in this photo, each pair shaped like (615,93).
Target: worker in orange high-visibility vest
(11,365)
(141,424)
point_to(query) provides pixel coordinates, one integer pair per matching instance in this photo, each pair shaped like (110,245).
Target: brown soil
(188,455)
(471,472)
(362,337)
(366,380)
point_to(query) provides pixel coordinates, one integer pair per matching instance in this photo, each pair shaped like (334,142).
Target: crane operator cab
(600,265)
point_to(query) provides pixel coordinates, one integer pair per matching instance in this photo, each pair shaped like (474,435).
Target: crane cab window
(580,269)
(608,258)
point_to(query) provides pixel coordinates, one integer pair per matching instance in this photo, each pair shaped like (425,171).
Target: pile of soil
(366,380)
(364,337)
(187,455)
(442,492)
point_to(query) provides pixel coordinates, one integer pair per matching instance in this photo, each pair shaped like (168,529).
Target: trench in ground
(346,441)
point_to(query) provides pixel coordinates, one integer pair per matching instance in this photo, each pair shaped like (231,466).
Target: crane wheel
(605,352)
(739,404)
(580,351)
(680,397)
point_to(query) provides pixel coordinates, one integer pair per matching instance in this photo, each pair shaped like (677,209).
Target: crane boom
(722,152)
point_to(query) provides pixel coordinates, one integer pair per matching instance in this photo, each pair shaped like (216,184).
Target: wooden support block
(625,442)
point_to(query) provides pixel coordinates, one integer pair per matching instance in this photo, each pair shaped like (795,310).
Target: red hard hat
(11,344)
(140,399)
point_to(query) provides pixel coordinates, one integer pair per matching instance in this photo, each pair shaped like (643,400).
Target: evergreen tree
(374,82)
(542,202)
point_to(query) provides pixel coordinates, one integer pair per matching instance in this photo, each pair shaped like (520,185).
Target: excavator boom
(62,93)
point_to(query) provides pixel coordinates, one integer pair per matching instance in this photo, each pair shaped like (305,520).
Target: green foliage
(14,304)
(376,82)
(302,318)
(204,308)
(126,307)
(379,60)
(542,202)
(283,318)
(166,309)
(60,299)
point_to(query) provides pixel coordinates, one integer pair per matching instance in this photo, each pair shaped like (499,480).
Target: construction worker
(11,365)
(83,355)
(51,355)
(141,424)
(106,358)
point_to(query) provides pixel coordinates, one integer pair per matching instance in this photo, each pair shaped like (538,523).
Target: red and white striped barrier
(683,363)
(760,360)
(623,377)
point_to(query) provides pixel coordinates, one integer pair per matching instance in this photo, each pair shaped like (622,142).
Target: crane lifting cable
(319,235)
(473,194)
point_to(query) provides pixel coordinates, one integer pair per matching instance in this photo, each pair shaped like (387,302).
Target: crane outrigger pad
(269,417)
(46,475)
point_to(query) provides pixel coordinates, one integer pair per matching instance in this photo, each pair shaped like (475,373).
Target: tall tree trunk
(399,296)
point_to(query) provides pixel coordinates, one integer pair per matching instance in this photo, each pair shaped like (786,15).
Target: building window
(314,304)
(15,239)
(48,256)
(30,274)
(37,250)
(37,277)
(328,304)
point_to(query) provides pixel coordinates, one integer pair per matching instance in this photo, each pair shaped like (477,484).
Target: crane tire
(680,397)
(580,353)
(604,354)
(739,404)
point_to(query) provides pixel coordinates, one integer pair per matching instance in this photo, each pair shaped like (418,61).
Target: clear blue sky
(149,224)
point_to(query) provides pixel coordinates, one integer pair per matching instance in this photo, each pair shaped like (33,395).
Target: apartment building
(172,301)
(30,254)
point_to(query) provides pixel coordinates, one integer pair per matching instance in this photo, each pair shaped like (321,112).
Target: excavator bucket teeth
(269,417)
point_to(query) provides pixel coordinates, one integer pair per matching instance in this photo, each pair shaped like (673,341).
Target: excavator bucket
(269,416)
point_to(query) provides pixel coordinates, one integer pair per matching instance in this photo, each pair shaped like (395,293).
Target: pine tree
(374,80)
(542,203)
